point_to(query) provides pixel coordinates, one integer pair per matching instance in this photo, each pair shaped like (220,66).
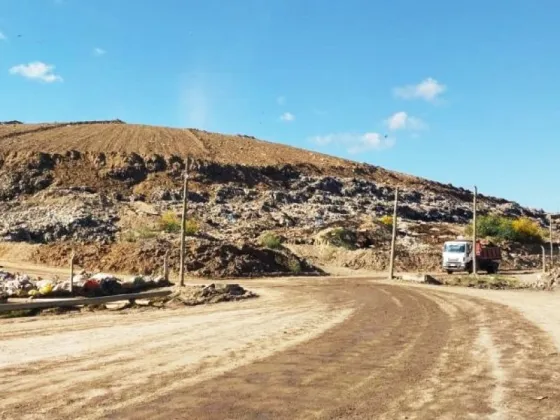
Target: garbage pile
(84,284)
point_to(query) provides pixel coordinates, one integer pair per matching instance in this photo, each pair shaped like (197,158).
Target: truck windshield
(455,248)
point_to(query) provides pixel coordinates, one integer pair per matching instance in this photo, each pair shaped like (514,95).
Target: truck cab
(457,256)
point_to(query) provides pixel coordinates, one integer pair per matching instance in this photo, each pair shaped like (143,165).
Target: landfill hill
(102,187)
(116,139)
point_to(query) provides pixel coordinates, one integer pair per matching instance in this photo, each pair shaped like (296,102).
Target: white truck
(458,256)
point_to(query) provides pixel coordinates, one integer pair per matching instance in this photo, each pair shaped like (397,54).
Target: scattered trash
(85,284)
(540,398)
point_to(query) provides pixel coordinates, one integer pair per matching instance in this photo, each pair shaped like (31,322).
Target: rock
(117,306)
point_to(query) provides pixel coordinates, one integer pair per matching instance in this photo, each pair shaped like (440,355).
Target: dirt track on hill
(305,349)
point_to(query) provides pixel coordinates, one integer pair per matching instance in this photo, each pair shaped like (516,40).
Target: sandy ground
(315,348)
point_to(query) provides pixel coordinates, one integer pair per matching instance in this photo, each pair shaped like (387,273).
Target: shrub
(522,230)
(386,220)
(128,236)
(170,222)
(191,227)
(135,234)
(342,238)
(271,240)
(527,230)
(294,266)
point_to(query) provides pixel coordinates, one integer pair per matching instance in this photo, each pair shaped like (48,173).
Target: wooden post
(474,233)
(543,259)
(72,258)
(551,243)
(166,266)
(394,237)
(183,222)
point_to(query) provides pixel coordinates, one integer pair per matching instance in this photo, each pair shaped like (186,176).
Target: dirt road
(305,349)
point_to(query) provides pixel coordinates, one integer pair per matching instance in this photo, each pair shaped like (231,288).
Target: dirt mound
(205,258)
(200,295)
(368,259)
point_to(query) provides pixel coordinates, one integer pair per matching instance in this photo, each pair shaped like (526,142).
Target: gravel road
(319,348)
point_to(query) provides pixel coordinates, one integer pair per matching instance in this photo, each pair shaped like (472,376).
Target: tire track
(518,362)
(382,348)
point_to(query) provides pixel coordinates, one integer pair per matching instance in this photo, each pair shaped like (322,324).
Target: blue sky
(459,92)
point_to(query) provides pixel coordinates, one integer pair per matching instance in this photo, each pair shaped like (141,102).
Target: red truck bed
(488,252)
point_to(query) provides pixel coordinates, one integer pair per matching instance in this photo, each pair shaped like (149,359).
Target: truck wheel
(449,272)
(469,268)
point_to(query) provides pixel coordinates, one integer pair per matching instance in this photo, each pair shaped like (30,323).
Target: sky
(466,93)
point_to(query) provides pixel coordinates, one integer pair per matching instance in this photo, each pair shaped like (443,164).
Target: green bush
(271,240)
(501,228)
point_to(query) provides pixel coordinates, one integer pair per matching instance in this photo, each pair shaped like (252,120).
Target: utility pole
(166,266)
(183,223)
(543,259)
(394,236)
(474,233)
(551,243)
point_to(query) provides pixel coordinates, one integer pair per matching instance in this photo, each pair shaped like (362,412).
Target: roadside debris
(547,281)
(84,284)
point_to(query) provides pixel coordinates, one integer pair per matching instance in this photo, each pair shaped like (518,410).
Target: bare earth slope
(110,137)
(149,140)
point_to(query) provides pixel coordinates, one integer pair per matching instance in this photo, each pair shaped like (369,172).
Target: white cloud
(356,143)
(429,89)
(99,52)
(287,117)
(36,71)
(281,100)
(402,121)
(2,36)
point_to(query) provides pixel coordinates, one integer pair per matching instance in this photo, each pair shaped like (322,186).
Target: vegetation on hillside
(499,228)
(341,237)
(271,240)
(386,220)
(171,223)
